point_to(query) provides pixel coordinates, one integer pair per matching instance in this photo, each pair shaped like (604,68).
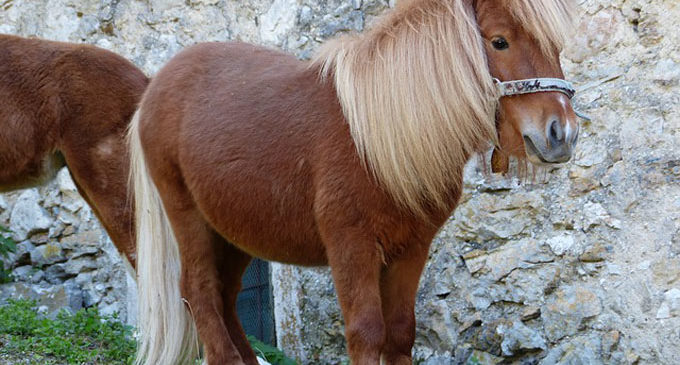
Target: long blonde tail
(167,331)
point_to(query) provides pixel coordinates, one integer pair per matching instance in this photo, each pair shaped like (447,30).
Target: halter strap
(529,86)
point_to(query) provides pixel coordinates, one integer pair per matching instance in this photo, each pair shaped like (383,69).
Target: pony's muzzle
(555,146)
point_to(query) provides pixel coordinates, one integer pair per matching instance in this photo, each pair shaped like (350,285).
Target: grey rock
(37,276)
(22,273)
(22,254)
(561,244)
(566,313)
(579,351)
(28,216)
(670,307)
(518,338)
(52,299)
(47,254)
(504,260)
(70,199)
(80,264)
(55,274)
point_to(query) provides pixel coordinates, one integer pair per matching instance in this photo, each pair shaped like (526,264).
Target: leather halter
(529,86)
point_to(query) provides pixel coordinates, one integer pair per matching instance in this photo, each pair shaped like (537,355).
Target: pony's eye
(500,43)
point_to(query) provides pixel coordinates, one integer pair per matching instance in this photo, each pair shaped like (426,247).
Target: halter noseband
(529,86)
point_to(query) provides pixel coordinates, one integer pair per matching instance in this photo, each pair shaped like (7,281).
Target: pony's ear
(500,162)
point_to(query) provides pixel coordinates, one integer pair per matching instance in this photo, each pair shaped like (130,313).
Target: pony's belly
(303,254)
(289,238)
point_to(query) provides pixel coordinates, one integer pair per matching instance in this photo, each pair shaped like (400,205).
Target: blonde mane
(417,95)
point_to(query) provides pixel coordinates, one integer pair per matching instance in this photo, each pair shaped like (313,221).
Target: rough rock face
(64,259)
(574,265)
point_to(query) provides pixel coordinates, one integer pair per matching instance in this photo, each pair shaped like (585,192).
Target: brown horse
(353,160)
(69,105)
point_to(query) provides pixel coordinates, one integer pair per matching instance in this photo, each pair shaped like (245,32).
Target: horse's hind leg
(201,285)
(233,264)
(355,264)
(399,285)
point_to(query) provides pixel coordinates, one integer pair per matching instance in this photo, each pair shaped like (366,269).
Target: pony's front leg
(399,285)
(355,264)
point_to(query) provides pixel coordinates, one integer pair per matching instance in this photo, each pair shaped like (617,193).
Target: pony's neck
(417,102)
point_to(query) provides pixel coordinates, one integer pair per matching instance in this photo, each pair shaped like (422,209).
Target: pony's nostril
(556,132)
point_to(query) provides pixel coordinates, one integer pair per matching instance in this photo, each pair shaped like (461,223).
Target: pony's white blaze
(167,331)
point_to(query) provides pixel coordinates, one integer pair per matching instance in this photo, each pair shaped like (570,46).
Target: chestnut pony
(353,160)
(69,105)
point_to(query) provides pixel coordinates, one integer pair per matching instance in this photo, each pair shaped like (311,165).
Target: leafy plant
(269,353)
(7,246)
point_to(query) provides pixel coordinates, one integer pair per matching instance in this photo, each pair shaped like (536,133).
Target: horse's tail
(166,329)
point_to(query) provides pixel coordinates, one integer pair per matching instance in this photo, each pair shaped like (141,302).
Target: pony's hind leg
(355,263)
(200,284)
(399,285)
(233,264)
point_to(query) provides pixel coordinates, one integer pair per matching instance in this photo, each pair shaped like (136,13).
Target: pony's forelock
(550,22)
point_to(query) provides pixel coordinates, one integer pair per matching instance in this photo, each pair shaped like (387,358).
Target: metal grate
(254,304)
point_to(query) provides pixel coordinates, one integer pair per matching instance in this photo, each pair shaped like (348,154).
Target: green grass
(85,337)
(81,338)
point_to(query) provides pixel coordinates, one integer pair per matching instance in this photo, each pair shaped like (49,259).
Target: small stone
(670,307)
(22,273)
(505,259)
(519,338)
(610,340)
(55,274)
(482,358)
(278,21)
(22,255)
(594,214)
(81,264)
(70,198)
(594,253)
(37,277)
(564,315)
(485,337)
(561,244)
(475,321)
(68,230)
(28,216)
(47,255)
(581,350)
(306,15)
(78,241)
(530,313)
(40,238)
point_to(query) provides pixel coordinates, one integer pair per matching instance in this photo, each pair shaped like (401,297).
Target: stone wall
(64,259)
(573,265)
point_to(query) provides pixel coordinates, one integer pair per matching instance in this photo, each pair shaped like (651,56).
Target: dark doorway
(255,304)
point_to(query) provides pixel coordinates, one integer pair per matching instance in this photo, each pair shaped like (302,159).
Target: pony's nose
(555,133)
(561,139)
